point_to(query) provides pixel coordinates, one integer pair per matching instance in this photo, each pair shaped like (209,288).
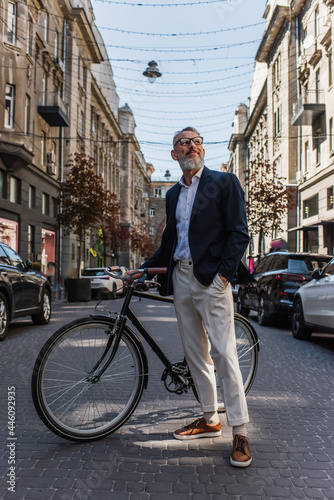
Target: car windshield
(306,265)
(93,272)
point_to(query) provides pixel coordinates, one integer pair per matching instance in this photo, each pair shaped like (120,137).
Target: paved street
(291,430)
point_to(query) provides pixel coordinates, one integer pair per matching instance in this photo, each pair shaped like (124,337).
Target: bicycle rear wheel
(68,400)
(247,349)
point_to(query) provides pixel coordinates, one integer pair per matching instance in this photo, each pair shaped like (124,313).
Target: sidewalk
(291,428)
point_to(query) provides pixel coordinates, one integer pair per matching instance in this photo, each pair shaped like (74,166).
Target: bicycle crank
(177,380)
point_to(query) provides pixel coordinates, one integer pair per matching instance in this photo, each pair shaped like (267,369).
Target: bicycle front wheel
(68,399)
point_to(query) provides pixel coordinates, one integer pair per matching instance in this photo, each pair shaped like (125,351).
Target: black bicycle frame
(125,313)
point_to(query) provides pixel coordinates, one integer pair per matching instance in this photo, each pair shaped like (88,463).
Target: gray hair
(186,129)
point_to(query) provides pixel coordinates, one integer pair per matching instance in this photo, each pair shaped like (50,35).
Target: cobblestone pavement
(291,428)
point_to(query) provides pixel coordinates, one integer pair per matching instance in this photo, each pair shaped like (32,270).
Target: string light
(199,33)
(132,4)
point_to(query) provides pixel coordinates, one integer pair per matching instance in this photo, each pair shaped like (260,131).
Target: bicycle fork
(114,340)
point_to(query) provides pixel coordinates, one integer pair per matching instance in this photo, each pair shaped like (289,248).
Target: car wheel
(4,317)
(43,317)
(299,330)
(241,309)
(263,318)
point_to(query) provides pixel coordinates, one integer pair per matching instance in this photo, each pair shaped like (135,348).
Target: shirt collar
(198,175)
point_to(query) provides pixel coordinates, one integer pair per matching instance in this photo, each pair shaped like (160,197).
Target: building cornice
(96,91)
(79,15)
(261,102)
(280,15)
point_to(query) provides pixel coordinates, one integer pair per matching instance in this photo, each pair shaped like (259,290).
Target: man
(203,242)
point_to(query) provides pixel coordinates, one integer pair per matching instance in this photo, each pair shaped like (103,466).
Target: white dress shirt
(183,213)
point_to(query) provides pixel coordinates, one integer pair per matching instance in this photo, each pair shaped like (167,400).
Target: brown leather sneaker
(198,429)
(241,455)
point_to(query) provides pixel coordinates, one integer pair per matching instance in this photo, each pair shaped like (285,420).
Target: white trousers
(205,316)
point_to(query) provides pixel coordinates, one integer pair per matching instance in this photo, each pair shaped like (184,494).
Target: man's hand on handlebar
(133,275)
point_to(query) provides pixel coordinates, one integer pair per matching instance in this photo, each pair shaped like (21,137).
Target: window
(56,47)
(3,184)
(46,27)
(307,153)
(44,88)
(45,204)
(277,121)
(30,40)
(152,212)
(9,106)
(11,23)
(330,69)
(84,77)
(277,71)
(15,190)
(32,197)
(160,192)
(278,167)
(54,206)
(329,270)
(16,260)
(311,206)
(82,124)
(331,134)
(31,242)
(73,251)
(318,148)
(330,196)
(316,22)
(27,115)
(43,145)
(92,120)
(317,87)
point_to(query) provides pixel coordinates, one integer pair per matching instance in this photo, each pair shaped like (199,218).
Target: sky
(206,53)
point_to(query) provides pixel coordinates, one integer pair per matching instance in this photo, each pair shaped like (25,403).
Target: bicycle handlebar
(125,277)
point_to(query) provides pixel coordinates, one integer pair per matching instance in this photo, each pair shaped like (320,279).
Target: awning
(314,226)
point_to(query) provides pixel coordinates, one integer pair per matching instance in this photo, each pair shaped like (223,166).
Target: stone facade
(290,121)
(58,96)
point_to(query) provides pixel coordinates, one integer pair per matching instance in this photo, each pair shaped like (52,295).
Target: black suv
(23,291)
(275,281)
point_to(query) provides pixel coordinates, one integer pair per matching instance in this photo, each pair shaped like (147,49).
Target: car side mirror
(29,264)
(316,274)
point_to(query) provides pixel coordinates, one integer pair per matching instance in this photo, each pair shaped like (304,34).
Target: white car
(103,285)
(313,305)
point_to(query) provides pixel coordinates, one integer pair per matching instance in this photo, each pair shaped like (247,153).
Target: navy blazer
(218,233)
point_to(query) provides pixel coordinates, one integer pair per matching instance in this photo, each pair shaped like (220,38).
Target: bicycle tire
(247,349)
(71,405)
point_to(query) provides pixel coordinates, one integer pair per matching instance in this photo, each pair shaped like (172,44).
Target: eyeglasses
(186,142)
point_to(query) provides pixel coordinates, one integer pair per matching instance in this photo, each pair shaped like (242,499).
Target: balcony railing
(52,109)
(308,108)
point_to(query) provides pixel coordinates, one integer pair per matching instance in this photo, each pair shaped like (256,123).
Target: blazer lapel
(200,197)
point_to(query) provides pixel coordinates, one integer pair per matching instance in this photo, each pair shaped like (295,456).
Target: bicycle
(90,375)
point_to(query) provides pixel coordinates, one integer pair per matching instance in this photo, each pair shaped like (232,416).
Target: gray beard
(191,163)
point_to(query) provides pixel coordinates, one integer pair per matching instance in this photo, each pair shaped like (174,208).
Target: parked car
(313,305)
(23,291)
(274,283)
(103,285)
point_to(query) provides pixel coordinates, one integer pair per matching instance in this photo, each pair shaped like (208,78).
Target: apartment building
(312,116)
(57,95)
(289,121)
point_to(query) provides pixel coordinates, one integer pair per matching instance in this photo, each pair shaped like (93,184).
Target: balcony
(309,107)
(14,155)
(52,109)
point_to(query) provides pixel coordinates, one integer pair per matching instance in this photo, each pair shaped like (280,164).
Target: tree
(141,242)
(111,233)
(268,200)
(83,199)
